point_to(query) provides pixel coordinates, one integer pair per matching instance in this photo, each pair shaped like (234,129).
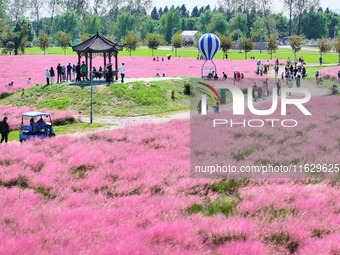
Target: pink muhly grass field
(331,71)
(14,114)
(129,191)
(20,68)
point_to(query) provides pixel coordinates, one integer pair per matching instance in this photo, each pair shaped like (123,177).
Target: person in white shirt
(122,71)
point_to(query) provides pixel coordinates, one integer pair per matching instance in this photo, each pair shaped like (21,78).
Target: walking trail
(114,122)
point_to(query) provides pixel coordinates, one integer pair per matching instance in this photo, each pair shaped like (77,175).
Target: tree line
(63,21)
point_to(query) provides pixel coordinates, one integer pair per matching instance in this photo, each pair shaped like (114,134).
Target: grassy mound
(137,98)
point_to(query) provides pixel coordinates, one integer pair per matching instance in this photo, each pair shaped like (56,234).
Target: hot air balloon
(208,45)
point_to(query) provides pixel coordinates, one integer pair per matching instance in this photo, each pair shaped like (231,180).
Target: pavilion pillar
(104,59)
(109,57)
(79,57)
(90,65)
(116,65)
(87,64)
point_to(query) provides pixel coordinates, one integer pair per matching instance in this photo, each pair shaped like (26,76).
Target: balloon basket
(207,69)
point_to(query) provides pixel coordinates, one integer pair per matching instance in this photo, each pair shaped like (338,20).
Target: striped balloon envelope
(208,45)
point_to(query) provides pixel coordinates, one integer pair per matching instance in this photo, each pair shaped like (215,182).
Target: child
(224,76)
(11,83)
(29,80)
(157,75)
(163,74)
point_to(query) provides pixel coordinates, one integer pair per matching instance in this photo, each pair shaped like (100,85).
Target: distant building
(189,37)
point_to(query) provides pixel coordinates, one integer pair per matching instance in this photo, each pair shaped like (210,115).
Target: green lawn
(191,52)
(327,83)
(137,98)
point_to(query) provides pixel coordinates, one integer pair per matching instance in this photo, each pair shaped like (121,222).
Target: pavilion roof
(97,43)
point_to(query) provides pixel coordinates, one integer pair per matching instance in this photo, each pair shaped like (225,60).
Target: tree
(314,25)
(63,40)
(247,45)
(125,24)
(28,28)
(194,12)
(91,24)
(79,7)
(218,23)
(272,46)
(290,4)
(36,9)
(265,6)
(131,42)
(44,41)
(85,37)
(226,44)
(296,43)
(178,41)
(301,7)
(184,11)
(203,21)
(169,21)
(10,46)
(336,46)
(19,38)
(239,22)
(153,41)
(154,14)
(68,22)
(147,26)
(324,46)
(197,36)
(16,9)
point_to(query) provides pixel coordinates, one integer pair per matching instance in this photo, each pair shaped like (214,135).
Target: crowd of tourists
(77,73)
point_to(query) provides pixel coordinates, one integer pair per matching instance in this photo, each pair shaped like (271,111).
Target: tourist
(42,125)
(4,130)
(34,126)
(29,81)
(100,72)
(59,73)
(335,90)
(84,71)
(298,81)
(320,60)
(256,96)
(215,77)
(317,75)
(109,73)
(216,107)
(303,72)
(278,86)
(64,73)
(264,91)
(157,75)
(288,61)
(78,69)
(268,64)
(74,72)
(339,76)
(162,59)
(52,74)
(163,74)
(224,75)
(69,70)
(122,71)
(290,85)
(47,76)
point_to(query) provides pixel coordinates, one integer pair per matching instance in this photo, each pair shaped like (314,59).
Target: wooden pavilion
(98,44)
